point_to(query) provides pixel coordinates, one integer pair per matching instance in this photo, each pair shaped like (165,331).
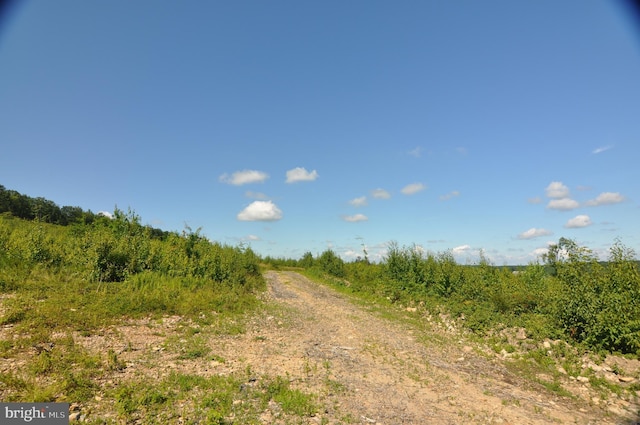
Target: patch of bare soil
(377,371)
(365,369)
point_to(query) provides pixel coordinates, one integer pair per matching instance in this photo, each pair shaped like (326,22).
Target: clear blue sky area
(297,126)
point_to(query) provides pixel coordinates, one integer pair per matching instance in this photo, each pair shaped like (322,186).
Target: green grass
(211,400)
(57,282)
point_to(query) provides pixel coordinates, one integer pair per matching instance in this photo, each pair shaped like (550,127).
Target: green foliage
(599,304)
(572,295)
(291,400)
(330,263)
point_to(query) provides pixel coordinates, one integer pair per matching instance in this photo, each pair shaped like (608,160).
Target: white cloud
(260,211)
(578,221)
(416,153)
(557,190)
(359,202)
(535,200)
(601,149)
(534,233)
(461,249)
(300,174)
(244,177)
(539,252)
(252,238)
(449,195)
(105,213)
(606,198)
(355,218)
(565,204)
(349,253)
(256,195)
(380,194)
(413,188)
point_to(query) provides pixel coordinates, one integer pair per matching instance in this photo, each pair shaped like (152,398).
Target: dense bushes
(571,294)
(112,250)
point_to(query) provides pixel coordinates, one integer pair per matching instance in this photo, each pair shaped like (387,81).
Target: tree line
(46,211)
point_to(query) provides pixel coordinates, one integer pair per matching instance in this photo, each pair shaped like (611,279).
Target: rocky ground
(363,368)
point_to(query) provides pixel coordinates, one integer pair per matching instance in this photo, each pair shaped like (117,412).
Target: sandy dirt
(363,368)
(378,371)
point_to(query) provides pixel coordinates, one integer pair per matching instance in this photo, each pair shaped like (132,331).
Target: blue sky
(299,126)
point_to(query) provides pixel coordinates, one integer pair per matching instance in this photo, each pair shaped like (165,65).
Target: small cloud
(557,190)
(355,218)
(413,188)
(565,204)
(359,202)
(380,194)
(539,252)
(534,233)
(601,149)
(578,221)
(349,253)
(536,200)
(300,174)
(256,195)
(251,238)
(106,214)
(260,211)
(244,177)
(583,188)
(461,249)
(606,198)
(450,195)
(416,153)
(462,151)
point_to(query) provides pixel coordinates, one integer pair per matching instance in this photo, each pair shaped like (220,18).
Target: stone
(521,334)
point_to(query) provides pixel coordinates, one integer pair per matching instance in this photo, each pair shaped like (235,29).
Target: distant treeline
(46,211)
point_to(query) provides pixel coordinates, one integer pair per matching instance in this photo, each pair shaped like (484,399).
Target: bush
(330,263)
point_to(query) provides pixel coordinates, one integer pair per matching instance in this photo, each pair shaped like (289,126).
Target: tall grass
(57,281)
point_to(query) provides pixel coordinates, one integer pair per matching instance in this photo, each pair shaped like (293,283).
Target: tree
(307,260)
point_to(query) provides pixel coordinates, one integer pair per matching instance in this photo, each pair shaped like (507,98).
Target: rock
(626,379)
(521,334)
(582,379)
(561,370)
(412,309)
(546,345)
(75,417)
(594,367)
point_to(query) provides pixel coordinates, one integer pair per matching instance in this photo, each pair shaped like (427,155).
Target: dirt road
(372,370)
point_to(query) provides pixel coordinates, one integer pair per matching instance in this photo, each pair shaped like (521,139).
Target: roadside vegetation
(66,274)
(571,295)
(564,321)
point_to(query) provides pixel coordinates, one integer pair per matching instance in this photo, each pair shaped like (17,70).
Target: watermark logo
(34,413)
